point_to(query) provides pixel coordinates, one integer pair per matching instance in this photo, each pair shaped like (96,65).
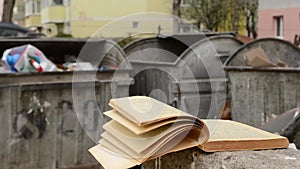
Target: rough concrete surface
(197,159)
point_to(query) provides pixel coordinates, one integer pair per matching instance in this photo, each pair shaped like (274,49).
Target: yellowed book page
(140,143)
(144,110)
(115,145)
(186,143)
(113,114)
(112,157)
(231,135)
(111,142)
(111,160)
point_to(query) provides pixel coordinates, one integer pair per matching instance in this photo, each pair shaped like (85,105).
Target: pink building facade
(279,18)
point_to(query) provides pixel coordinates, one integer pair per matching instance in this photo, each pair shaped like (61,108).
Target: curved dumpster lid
(150,49)
(208,51)
(106,53)
(275,49)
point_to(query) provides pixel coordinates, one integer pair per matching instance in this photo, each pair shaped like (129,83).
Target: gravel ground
(196,159)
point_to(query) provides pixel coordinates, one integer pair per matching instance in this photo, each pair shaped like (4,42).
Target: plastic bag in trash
(27,58)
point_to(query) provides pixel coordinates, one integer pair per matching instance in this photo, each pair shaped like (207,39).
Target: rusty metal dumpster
(182,71)
(49,120)
(260,94)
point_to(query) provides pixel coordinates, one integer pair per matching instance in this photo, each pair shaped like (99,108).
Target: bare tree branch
(8,6)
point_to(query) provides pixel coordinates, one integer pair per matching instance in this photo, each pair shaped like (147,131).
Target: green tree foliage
(231,15)
(210,13)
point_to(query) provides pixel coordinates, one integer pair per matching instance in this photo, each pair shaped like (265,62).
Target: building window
(57,2)
(67,2)
(278,26)
(32,7)
(186,28)
(135,25)
(48,3)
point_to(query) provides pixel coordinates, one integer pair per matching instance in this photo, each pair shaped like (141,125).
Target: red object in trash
(36,65)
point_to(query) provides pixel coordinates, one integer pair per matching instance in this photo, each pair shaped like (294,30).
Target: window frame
(279,26)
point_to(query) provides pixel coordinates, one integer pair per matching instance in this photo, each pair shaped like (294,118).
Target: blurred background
(80,19)
(44,126)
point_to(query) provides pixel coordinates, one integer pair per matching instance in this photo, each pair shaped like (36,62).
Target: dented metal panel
(49,120)
(168,68)
(261,94)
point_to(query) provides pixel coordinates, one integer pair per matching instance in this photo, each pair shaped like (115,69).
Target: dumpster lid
(161,48)
(206,54)
(275,49)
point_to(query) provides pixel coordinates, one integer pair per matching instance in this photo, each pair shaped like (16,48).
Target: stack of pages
(143,128)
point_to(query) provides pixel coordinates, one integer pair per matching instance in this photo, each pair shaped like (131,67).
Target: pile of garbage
(28,58)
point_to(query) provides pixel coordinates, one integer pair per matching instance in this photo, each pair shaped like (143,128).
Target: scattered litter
(224,167)
(26,58)
(286,124)
(292,146)
(281,64)
(296,113)
(79,66)
(101,68)
(4,70)
(290,158)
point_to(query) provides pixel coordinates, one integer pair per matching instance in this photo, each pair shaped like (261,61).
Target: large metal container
(182,70)
(260,94)
(49,120)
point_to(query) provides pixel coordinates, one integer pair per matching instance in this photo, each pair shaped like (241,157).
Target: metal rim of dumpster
(176,38)
(123,64)
(249,44)
(147,43)
(213,38)
(184,52)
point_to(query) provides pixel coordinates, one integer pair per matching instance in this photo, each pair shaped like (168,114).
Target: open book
(143,128)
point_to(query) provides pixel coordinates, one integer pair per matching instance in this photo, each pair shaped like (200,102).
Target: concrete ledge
(194,158)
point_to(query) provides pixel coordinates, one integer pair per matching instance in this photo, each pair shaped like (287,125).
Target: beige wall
(90,18)
(33,20)
(1,9)
(53,14)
